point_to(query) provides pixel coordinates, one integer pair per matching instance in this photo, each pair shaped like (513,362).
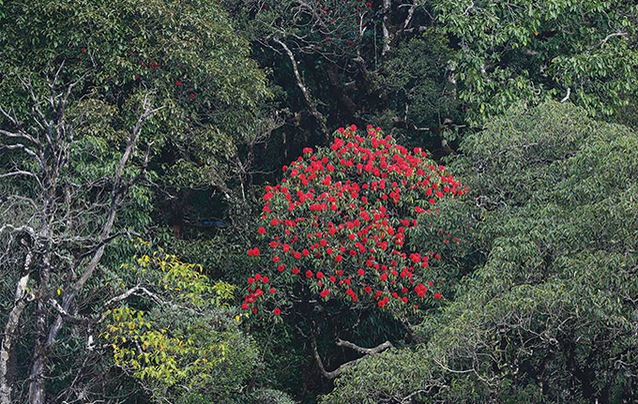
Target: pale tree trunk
(304,90)
(47,330)
(346,344)
(50,150)
(21,299)
(40,349)
(387,4)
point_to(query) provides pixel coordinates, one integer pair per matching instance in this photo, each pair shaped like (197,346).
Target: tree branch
(25,149)
(68,316)
(607,38)
(133,291)
(306,93)
(365,351)
(117,194)
(21,298)
(341,343)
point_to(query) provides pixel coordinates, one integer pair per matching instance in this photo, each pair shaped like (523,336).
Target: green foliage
(271,397)
(414,85)
(180,337)
(550,316)
(187,55)
(78,78)
(529,52)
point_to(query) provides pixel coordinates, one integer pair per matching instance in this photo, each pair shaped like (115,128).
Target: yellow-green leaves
(177,333)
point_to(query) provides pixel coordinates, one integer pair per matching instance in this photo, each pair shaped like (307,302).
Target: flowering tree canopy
(340,225)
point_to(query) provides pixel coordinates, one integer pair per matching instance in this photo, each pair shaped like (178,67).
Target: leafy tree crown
(341,224)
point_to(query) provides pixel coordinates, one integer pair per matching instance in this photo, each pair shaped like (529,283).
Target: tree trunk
(46,331)
(40,349)
(6,363)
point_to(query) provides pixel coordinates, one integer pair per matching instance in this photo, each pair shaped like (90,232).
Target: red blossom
(253,252)
(352,206)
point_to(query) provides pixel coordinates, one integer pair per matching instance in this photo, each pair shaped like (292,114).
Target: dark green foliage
(416,96)
(550,316)
(208,90)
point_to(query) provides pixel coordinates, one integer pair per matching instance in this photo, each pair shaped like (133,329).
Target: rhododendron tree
(341,225)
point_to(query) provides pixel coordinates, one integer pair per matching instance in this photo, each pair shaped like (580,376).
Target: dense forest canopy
(397,201)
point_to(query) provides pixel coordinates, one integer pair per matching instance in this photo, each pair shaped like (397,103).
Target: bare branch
(306,93)
(365,351)
(36,105)
(68,316)
(26,229)
(25,149)
(101,244)
(624,35)
(21,299)
(117,194)
(19,172)
(143,291)
(408,19)
(128,293)
(337,372)
(467,10)
(17,135)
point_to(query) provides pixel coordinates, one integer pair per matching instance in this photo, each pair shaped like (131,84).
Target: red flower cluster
(342,218)
(253,252)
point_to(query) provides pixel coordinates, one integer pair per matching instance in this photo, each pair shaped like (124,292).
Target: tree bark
(387,4)
(46,331)
(341,343)
(21,299)
(304,90)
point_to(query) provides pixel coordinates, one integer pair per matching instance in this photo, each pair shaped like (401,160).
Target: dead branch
(21,298)
(365,351)
(341,343)
(624,35)
(304,90)
(117,194)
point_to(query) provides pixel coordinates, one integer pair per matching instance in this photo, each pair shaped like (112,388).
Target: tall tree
(334,52)
(354,228)
(91,94)
(549,313)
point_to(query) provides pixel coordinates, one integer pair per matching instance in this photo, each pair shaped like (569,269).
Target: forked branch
(341,343)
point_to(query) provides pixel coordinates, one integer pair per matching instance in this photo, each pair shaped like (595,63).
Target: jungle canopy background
(141,152)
